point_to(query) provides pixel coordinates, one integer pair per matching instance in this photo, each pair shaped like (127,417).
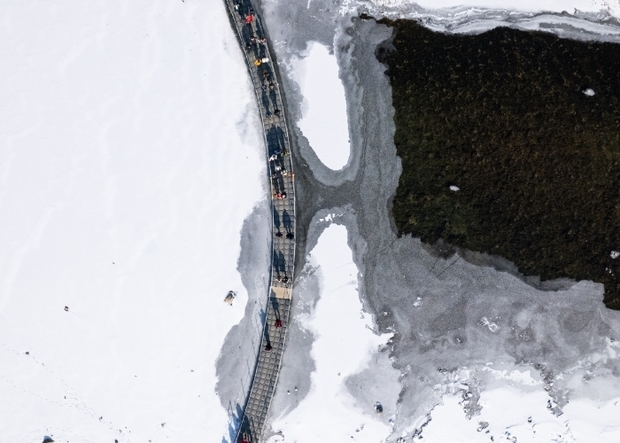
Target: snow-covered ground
(343,346)
(324,121)
(130,156)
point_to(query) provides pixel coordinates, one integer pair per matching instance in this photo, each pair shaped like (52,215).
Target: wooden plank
(283,293)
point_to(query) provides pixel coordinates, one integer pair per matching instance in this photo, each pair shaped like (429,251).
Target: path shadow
(276,219)
(282,262)
(276,262)
(267,339)
(234,425)
(259,29)
(275,143)
(278,183)
(279,266)
(262,315)
(274,98)
(265,101)
(281,137)
(276,140)
(245,429)
(287,222)
(261,49)
(246,34)
(276,307)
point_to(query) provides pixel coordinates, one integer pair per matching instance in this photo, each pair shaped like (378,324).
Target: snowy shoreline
(586,22)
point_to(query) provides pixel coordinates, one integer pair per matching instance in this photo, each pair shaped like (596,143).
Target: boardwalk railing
(250,32)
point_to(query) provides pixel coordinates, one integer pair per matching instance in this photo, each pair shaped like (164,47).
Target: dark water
(503,116)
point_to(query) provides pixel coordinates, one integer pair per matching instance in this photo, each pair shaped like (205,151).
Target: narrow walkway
(250,32)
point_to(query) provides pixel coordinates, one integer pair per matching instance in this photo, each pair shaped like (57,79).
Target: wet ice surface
(456,316)
(324,121)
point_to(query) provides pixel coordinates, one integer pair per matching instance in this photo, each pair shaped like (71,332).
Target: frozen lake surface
(134,194)
(477,345)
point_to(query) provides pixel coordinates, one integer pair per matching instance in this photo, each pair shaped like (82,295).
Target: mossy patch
(503,117)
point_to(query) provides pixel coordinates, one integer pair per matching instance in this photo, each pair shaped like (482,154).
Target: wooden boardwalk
(250,32)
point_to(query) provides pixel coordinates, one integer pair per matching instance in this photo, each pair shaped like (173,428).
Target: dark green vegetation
(502,116)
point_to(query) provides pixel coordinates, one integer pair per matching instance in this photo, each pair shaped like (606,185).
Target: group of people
(278,170)
(260,61)
(289,235)
(249,16)
(269,85)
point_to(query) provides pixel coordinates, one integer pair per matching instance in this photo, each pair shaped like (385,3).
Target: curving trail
(250,32)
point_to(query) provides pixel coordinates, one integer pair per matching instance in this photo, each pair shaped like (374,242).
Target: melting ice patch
(324,109)
(329,218)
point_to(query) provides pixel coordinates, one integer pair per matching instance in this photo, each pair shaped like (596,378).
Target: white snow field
(324,121)
(130,154)
(516,408)
(343,346)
